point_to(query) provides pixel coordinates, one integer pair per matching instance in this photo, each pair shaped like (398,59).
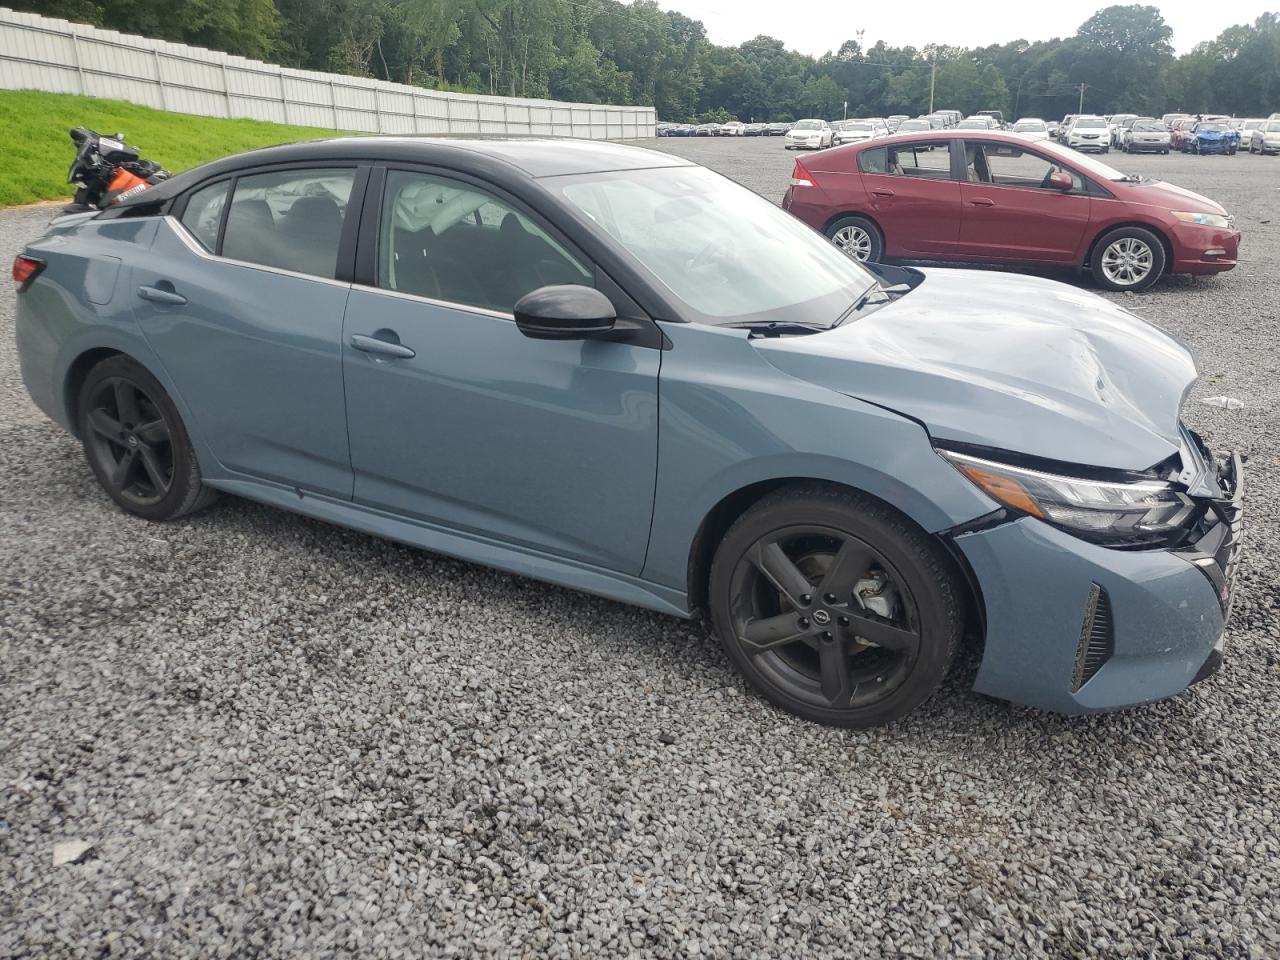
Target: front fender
(729,419)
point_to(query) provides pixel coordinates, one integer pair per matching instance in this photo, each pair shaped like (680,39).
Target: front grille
(1097,638)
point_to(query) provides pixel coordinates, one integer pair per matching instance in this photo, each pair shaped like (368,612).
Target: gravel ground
(286,739)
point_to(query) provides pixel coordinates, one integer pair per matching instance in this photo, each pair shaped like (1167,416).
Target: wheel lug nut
(844,621)
(804,621)
(805,598)
(830,598)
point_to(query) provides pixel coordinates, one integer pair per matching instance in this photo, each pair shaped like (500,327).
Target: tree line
(606,51)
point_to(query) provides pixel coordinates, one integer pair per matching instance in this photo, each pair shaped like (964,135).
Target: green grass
(37,150)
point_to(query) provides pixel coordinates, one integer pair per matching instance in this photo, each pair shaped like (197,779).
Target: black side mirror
(565,312)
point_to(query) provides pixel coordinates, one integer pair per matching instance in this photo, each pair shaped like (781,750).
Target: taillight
(800,177)
(25,270)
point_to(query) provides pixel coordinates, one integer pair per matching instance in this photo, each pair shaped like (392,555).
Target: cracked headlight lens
(1106,512)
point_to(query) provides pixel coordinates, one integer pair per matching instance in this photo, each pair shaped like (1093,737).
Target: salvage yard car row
(1127,132)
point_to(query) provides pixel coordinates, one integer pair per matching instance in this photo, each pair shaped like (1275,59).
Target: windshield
(973,125)
(725,253)
(859,125)
(913,125)
(807,125)
(1023,126)
(1273,126)
(1091,123)
(1148,126)
(1210,128)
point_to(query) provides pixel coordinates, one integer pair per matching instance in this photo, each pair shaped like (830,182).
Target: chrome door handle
(982,202)
(882,193)
(160,295)
(384,347)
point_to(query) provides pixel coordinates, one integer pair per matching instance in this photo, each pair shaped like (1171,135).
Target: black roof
(530,156)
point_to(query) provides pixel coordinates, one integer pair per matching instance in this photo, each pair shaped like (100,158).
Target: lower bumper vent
(1097,638)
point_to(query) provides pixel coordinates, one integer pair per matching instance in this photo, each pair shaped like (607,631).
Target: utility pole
(846,109)
(1082,86)
(933,73)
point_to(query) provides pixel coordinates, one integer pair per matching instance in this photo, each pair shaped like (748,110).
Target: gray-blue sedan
(612,369)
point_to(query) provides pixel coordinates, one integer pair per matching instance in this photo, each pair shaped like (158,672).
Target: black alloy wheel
(836,607)
(129,442)
(136,443)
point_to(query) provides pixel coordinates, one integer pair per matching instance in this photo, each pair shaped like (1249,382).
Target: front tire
(836,607)
(1127,258)
(136,443)
(858,238)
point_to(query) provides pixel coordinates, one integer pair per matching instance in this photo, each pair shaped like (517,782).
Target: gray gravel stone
(285,739)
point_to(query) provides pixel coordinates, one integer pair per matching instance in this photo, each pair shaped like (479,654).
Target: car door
(243,304)
(459,420)
(914,197)
(1012,212)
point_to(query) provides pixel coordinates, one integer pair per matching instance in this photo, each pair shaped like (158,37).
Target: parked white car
(809,134)
(858,131)
(1266,139)
(1115,124)
(1089,133)
(1033,128)
(734,128)
(1245,127)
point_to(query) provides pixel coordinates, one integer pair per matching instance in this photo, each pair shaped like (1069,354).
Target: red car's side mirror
(1061,180)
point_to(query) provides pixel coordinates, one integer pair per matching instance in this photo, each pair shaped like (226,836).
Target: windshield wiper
(777,328)
(874,296)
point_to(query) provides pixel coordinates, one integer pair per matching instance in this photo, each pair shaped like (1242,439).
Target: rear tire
(136,443)
(871,648)
(1127,258)
(858,237)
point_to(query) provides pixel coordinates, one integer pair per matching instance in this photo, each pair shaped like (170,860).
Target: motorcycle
(106,170)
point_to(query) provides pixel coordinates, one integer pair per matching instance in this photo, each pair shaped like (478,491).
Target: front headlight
(1204,219)
(1106,512)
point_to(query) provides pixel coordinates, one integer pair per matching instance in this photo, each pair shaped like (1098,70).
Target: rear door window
(203,215)
(929,161)
(289,219)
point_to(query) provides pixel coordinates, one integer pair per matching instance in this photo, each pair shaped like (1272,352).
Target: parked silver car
(1145,135)
(1266,139)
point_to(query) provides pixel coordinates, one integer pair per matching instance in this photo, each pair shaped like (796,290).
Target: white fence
(40,53)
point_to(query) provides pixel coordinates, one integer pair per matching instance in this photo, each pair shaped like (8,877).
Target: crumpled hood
(1007,361)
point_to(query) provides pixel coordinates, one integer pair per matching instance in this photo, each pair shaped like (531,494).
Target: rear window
(291,219)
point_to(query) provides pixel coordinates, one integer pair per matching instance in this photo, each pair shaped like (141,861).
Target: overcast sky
(816,26)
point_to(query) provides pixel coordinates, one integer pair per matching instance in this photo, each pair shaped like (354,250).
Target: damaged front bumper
(1076,627)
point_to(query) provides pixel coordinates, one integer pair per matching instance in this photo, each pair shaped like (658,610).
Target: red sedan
(997,198)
